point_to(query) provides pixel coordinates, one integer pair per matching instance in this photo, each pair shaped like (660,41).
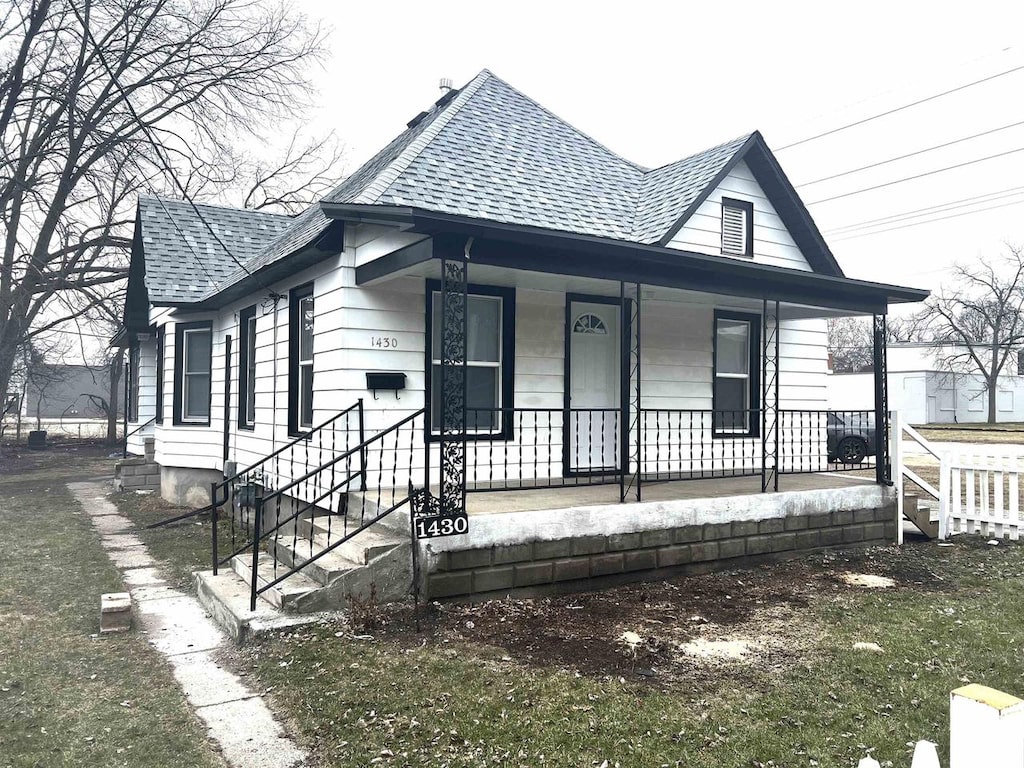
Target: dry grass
(69,697)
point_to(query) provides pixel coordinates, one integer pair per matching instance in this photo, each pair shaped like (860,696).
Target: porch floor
(532,499)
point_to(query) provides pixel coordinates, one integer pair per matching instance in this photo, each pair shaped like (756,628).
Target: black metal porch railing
(523,448)
(351,491)
(548,448)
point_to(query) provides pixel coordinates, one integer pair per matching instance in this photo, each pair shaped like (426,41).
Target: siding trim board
(508,357)
(160,374)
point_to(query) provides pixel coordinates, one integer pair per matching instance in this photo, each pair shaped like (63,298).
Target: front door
(593,427)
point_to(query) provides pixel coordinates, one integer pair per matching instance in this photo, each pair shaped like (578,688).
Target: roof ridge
(572,126)
(390,173)
(217,206)
(740,139)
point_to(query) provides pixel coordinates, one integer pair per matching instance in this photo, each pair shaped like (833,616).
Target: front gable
(772,242)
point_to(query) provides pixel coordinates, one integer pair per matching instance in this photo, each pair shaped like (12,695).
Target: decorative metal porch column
(454,329)
(883,472)
(769,396)
(632,417)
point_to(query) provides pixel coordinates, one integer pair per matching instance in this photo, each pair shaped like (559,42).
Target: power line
(903,107)
(988,197)
(855,235)
(909,154)
(918,176)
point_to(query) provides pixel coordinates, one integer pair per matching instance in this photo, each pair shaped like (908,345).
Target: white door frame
(570,318)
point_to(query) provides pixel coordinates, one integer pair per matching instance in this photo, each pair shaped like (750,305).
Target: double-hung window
(300,351)
(193,360)
(247,368)
(489,353)
(737,227)
(736,354)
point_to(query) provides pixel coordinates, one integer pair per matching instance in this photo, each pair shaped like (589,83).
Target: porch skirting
(567,550)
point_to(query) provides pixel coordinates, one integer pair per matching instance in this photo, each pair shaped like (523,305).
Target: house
(928,390)
(555,367)
(65,391)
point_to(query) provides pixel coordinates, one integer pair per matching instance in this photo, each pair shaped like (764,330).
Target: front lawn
(748,668)
(69,697)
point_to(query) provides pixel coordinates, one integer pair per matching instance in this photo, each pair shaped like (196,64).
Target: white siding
(676,369)
(147,398)
(773,244)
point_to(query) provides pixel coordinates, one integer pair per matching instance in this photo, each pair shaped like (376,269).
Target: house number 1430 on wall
(384,342)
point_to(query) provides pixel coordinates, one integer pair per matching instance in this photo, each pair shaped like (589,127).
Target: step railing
(353,490)
(338,434)
(899,432)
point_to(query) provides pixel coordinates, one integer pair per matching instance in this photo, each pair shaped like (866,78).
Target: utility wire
(894,110)
(855,235)
(909,154)
(938,208)
(917,176)
(156,145)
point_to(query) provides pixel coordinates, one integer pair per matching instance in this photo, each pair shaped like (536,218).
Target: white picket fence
(979,490)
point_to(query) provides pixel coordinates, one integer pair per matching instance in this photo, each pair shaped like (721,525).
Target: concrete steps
(924,514)
(375,562)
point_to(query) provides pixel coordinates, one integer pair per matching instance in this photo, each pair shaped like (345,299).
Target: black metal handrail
(303,440)
(332,482)
(124,440)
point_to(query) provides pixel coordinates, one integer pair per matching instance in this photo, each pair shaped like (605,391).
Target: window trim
(180,329)
(754,377)
(506,366)
(748,234)
(246,388)
(160,375)
(295,297)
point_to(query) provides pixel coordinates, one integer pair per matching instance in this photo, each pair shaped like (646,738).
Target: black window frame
(246,357)
(160,375)
(753,380)
(179,361)
(748,235)
(134,356)
(295,297)
(506,369)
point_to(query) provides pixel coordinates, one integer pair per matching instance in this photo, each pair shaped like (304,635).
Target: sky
(656,82)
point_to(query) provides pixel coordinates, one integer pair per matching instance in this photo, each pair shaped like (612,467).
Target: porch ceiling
(576,260)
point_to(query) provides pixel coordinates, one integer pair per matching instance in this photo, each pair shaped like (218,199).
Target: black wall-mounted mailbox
(394,381)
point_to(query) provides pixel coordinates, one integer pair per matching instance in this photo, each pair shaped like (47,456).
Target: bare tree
(851,339)
(850,344)
(978,321)
(103,99)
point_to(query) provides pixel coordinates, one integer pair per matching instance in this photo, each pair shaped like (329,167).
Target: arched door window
(589,323)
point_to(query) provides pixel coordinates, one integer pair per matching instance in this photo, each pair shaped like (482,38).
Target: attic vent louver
(737,237)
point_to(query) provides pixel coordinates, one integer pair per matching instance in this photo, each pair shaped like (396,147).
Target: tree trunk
(992,380)
(114,367)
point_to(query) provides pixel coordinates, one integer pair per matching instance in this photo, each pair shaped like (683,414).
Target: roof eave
(434,223)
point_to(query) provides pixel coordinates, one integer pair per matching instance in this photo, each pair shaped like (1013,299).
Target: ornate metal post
(769,396)
(883,473)
(454,328)
(632,419)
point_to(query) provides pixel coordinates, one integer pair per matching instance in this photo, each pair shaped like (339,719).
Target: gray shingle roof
(490,152)
(184,261)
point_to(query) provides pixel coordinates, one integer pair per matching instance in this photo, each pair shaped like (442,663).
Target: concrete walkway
(237,719)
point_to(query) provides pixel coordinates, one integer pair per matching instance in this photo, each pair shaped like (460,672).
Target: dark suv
(851,436)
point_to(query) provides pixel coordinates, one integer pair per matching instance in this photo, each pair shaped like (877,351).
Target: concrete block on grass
(115,612)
